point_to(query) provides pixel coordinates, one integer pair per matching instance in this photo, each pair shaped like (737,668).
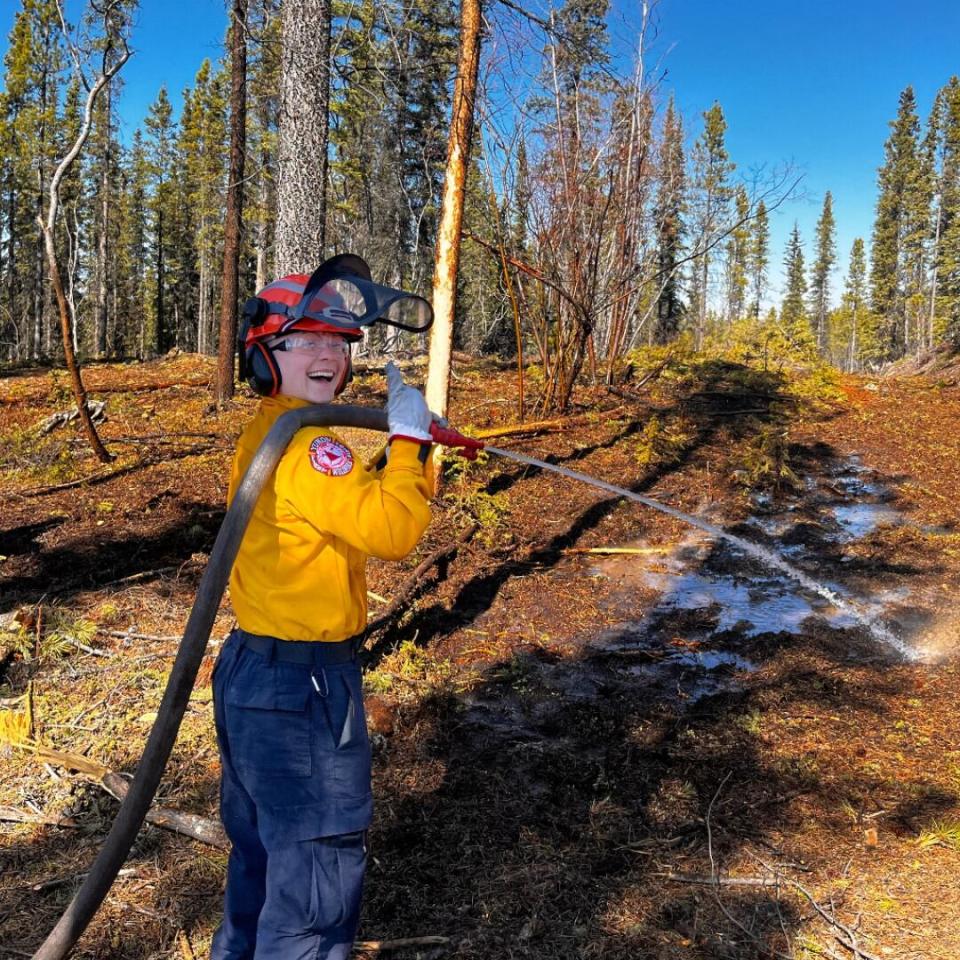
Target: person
(288,704)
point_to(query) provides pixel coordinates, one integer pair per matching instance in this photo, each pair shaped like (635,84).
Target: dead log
(63,417)
(199,828)
(542,426)
(83,481)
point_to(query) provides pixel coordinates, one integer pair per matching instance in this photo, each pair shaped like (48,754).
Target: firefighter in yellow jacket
(295,789)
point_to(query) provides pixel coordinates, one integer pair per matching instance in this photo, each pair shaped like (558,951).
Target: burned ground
(566,765)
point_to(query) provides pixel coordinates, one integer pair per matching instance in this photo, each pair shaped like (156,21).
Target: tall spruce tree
(900,220)
(793,313)
(758,257)
(855,306)
(709,204)
(202,146)
(738,257)
(160,143)
(135,303)
(823,263)
(947,257)
(668,224)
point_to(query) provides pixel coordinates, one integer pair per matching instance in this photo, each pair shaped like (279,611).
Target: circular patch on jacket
(330,457)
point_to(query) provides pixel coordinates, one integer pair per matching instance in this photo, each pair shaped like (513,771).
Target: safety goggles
(311,343)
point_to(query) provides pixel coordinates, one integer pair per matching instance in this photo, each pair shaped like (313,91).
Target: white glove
(408,415)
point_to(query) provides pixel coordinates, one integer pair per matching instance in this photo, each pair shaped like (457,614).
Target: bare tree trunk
(109,68)
(231,233)
(203,302)
(302,140)
(70,357)
(100,324)
(447,258)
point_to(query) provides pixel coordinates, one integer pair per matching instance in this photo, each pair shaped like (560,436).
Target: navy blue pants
(295,801)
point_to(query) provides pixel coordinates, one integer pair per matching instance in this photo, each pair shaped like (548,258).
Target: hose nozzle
(465,446)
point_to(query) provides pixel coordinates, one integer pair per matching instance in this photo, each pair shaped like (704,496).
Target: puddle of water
(694,674)
(858,519)
(769,605)
(713,660)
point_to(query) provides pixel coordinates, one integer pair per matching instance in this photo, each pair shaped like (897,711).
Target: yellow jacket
(300,573)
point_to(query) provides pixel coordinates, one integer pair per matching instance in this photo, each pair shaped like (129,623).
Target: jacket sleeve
(382,515)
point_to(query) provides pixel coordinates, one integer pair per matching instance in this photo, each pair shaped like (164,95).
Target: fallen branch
(541,426)
(142,575)
(203,829)
(717,881)
(149,387)
(199,828)
(71,877)
(83,481)
(93,651)
(382,946)
(845,937)
(413,582)
(630,551)
(130,635)
(63,417)
(16,815)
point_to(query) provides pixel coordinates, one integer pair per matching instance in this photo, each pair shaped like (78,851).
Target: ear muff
(263,372)
(254,313)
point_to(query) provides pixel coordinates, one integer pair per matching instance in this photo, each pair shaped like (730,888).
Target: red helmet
(274,311)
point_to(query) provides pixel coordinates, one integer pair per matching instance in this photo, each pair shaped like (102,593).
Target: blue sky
(813,82)
(810,82)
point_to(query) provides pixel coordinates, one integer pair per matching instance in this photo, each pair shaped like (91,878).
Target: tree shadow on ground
(478,594)
(548,812)
(82,563)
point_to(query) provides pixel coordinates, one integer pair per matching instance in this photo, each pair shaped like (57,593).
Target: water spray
(878,630)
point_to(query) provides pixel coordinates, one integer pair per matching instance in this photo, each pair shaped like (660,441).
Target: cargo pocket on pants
(268,719)
(336,883)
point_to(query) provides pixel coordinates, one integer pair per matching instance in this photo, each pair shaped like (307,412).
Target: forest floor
(669,752)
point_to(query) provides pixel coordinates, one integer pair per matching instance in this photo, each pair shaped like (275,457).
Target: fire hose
(160,743)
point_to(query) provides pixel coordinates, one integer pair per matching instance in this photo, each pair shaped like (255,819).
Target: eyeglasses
(311,343)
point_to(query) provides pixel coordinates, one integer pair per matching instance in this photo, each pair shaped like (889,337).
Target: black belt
(308,652)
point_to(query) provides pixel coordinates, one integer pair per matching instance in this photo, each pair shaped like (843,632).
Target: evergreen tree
(709,204)
(946,294)
(793,315)
(134,310)
(738,257)
(160,147)
(826,257)
(900,223)
(855,303)
(668,224)
(33,64)
(202,145)
(758,256)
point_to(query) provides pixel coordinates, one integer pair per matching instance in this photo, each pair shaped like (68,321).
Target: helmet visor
(351,302)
